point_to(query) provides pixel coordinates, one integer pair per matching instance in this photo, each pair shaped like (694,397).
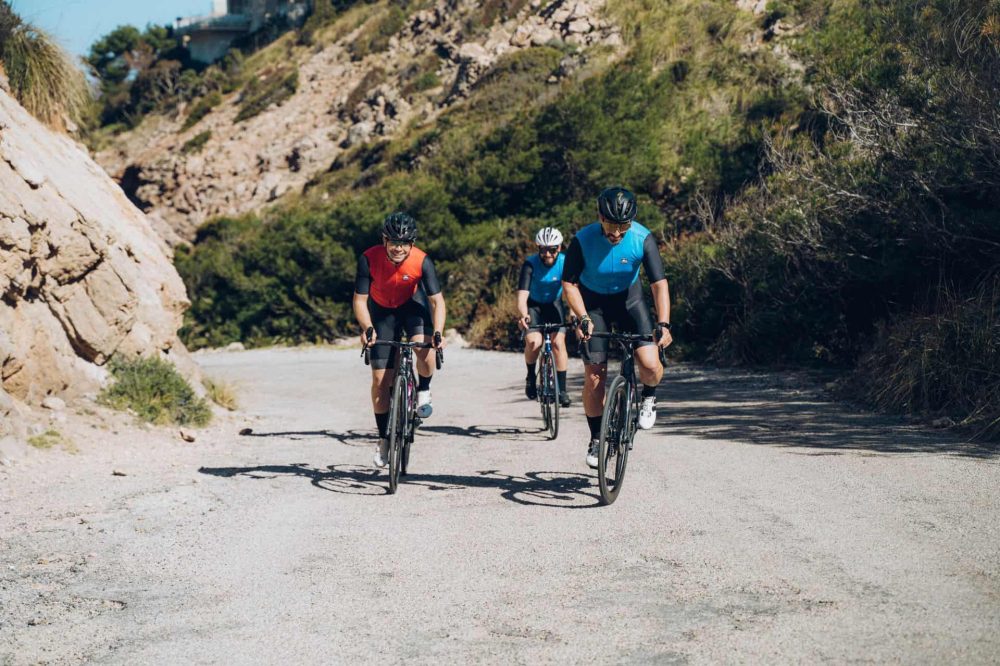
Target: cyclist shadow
(552,489)
(484,432)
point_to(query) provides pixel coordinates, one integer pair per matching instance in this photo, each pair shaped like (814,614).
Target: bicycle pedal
(417,421)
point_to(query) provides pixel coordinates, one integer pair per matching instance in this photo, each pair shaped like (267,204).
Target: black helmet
(616,204)
(399,227)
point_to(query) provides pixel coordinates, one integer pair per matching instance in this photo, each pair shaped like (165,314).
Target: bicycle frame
(628,343)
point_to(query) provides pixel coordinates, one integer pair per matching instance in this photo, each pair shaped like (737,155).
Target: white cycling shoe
(647,413)
(592,451)
(381,457)
(424,407)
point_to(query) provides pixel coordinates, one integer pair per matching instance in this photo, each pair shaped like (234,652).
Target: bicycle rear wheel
(551,392)
(613,455)
(397,430)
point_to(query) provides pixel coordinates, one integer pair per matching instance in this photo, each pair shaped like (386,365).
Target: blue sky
(76,24)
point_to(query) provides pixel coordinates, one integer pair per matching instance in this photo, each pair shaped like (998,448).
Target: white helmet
(548,237)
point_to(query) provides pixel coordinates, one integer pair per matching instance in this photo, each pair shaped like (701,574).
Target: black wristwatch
(664,324)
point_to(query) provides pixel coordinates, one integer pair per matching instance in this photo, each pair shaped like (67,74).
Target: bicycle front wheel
(397,430)
(613,455)
(551,390)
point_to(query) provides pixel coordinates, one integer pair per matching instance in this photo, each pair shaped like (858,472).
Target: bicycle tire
(614,441)
(552,397)
(411,431)
(397,430)
(540,388)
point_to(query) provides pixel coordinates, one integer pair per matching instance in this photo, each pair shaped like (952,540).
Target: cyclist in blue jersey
(601,281)
(539,301)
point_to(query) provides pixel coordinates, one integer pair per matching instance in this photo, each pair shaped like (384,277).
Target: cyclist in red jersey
(396,290)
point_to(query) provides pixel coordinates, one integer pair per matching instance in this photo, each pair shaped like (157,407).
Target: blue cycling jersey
(607,268)
(546,281)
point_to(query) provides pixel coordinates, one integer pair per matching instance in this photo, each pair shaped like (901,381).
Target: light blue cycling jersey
(546,281)
(610,269)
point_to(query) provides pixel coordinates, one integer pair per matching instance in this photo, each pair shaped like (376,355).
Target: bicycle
(403,419)
(547,381)
(620,418)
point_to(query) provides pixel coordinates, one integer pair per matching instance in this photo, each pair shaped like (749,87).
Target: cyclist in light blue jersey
(539,301)
(601,281)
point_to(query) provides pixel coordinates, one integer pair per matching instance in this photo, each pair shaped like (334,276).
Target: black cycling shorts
(412,318)
(546,313)
(626,311)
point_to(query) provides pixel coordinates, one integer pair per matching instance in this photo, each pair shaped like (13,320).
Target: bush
(196,143)
(42,76)
(156,392)
(201,109)
(272,88)
(945,362)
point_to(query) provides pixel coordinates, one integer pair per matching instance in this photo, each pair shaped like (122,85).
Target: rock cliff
(82,274)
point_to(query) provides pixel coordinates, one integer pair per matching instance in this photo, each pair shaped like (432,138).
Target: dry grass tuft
(42,76)
(222,393)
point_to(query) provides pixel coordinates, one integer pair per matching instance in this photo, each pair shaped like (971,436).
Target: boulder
(83,276)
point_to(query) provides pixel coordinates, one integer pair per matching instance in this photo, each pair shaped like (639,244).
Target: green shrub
(273,88)
(201,109)
(196,143)
(42,76)
(156,392)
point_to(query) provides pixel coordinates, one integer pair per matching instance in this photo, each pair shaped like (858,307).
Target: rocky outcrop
(82,274)
(246,165)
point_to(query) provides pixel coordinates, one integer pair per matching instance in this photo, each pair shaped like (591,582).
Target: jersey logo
(405,277)
(625,261)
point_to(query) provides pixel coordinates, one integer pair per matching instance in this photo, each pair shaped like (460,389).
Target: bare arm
(522,308)
(661,299)
(438,313)
(575,300)
(362,315)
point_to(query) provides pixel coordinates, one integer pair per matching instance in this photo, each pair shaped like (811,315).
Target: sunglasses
(616,226)
(548,250)
(398,243)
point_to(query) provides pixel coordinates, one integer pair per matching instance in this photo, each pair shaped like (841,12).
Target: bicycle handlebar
(438,360)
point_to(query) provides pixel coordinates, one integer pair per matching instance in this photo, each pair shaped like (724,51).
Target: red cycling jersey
(393,285)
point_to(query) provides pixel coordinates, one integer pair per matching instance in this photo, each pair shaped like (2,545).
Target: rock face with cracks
(83,276)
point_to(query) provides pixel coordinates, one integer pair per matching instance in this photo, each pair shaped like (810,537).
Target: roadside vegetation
(830,201)
(154,390)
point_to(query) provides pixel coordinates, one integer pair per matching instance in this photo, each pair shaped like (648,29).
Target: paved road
(758,524)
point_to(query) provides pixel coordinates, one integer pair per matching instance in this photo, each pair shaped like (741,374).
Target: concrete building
(208,37)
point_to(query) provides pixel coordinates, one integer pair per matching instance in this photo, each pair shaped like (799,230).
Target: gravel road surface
(759,523)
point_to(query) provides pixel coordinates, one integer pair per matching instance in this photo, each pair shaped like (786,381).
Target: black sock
(648,391)
(561,378)
(382,421)
(531,371)
(595,426)
(424,383)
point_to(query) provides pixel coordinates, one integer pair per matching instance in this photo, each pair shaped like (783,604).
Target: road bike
(403,419)
(620,418)
(547,379)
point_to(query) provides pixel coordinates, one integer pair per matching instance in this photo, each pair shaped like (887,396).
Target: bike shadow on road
(791,411)
(509,433)
(348,437)
(552,489)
